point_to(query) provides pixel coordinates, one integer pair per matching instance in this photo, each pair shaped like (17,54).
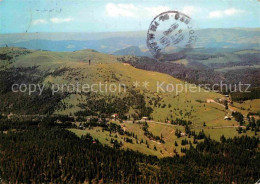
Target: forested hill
(206,66)
(38,143)
(42,152)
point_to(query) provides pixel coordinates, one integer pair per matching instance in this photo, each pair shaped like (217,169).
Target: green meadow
(167,103)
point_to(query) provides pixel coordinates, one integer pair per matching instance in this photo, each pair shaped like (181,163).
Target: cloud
(118,10)
(70,46)
(233,11)
(38,21)
(53,20)
(215,14)
(223,13)
(190,10)
(153,11)
(60,20)
(130,10)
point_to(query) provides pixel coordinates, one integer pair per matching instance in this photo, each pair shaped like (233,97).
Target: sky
(20,16)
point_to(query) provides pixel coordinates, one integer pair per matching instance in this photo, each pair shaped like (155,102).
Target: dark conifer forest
(45,152)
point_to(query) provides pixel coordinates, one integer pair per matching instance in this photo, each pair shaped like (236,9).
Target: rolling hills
(214,39)
(140,96)
(132,51)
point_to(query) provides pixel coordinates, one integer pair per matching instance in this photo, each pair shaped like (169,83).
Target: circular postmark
(170,35)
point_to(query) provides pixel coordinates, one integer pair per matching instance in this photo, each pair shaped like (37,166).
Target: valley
(129,92)
(204,109)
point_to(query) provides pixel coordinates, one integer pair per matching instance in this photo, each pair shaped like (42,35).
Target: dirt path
(210,127)
(150,121)
(166,138)
(213,101)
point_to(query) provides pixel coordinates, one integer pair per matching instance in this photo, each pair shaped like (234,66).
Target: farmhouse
(145,118)
(258,182)
(9,116)
(123,127)
(114,116)
(81,127)
(227,118)
(183,134)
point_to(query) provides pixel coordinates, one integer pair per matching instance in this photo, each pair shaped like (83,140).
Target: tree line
(43,152)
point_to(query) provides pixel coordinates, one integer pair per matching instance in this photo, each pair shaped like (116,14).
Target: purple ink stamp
(170,35)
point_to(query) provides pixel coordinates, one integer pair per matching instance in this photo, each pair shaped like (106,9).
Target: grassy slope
(247,106)
(167,131)
(105,68)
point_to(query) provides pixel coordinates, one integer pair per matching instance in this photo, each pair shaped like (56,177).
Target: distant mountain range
(122,43)
(133,51)
(108,45)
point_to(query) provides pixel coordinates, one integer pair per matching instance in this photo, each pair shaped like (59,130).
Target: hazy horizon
(125,31)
